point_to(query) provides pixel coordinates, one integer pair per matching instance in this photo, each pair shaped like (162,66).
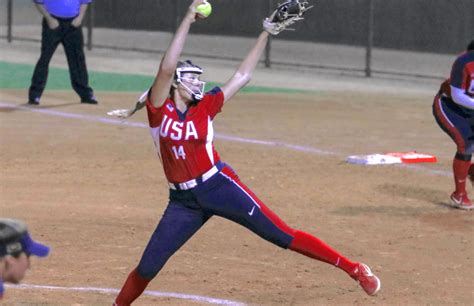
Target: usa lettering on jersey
(175,129)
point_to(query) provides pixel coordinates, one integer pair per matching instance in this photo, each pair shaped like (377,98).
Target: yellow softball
(204,9)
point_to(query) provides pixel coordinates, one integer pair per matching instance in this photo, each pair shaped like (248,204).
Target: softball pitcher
(453,109)
(201,185)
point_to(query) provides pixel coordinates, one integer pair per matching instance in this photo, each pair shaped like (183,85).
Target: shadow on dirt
(418,193)
(437,202)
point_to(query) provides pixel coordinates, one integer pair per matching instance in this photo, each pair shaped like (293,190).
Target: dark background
(439,26)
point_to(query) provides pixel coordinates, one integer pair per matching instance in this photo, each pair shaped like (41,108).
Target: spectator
(62,24)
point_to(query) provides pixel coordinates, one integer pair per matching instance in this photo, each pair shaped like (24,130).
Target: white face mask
(188,77)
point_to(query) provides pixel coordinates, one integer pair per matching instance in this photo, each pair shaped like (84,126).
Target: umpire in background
(62,24)
(16,247)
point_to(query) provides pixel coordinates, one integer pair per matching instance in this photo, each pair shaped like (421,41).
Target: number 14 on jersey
(179,152)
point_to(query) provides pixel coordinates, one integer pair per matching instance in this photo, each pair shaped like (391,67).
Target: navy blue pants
(222,195)
(457,122)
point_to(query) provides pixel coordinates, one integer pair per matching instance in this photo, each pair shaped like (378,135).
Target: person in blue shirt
(62,24)
(16,247)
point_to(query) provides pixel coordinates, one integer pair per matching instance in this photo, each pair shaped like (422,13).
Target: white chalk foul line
(189,297)
(285,145)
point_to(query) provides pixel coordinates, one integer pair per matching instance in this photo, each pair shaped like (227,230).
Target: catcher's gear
(285,15)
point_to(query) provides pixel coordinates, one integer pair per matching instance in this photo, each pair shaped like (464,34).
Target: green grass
(18,76)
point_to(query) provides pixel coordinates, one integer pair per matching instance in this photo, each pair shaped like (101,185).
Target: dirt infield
(94,191)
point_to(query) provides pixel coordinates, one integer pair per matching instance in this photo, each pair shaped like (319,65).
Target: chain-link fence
(359,36)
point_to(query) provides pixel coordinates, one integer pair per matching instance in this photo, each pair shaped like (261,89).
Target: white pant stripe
(230,179)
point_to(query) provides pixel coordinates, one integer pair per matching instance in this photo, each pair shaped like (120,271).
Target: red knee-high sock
(131,290)
(313,247)
(460,170)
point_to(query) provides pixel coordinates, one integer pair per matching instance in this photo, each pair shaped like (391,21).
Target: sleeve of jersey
(459,96)
(459,73)
(213,101)
(154,113)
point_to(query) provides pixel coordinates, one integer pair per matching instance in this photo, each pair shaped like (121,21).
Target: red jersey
(184,141)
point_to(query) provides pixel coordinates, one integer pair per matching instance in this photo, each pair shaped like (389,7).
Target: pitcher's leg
(235,201)
(314,247)
(176,226)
